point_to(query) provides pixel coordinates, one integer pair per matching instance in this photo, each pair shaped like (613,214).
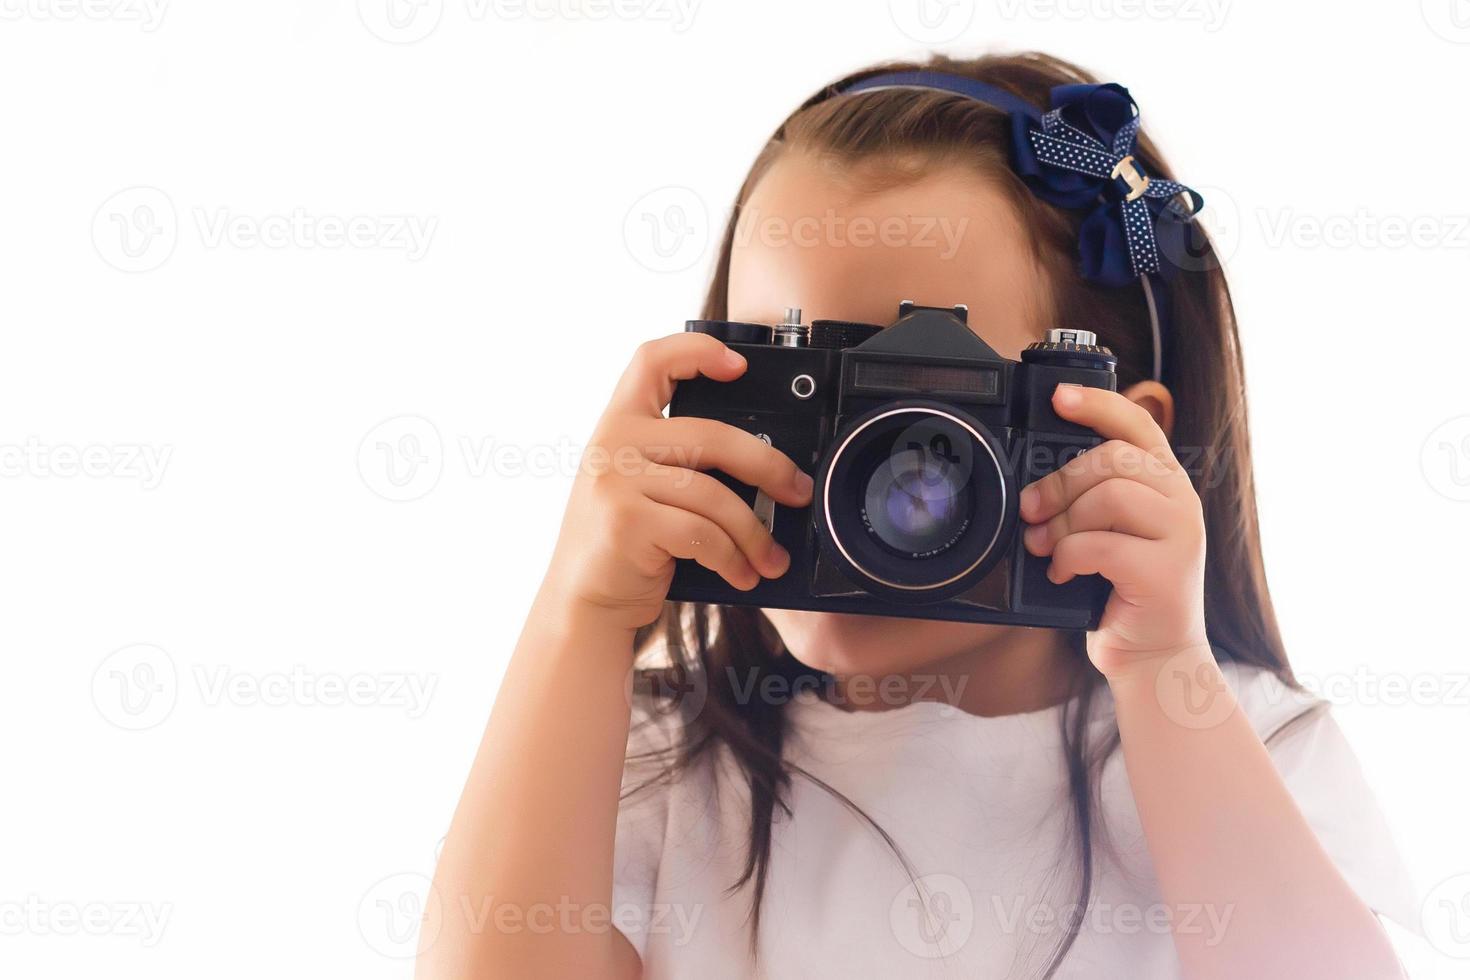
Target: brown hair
(1203,368)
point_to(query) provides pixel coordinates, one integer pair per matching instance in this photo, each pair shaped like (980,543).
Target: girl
(850,796)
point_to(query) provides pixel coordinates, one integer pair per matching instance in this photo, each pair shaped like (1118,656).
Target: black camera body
(920,438)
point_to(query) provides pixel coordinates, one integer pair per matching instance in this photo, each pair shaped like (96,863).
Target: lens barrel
(915,501)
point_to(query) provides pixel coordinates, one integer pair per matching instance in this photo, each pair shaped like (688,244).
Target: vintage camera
(920,438)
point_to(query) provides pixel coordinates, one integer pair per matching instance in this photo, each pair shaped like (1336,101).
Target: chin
(877,646)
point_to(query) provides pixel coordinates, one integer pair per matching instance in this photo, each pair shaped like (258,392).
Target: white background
(235,552)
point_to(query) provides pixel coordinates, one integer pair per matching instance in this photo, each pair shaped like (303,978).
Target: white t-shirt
(981,810)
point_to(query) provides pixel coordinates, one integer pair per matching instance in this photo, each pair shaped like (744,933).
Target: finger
(702,494)
(707,444)
(647,385)
(682,534)
(1111,416)
(1122,559)
(1059,489)
(1126,506)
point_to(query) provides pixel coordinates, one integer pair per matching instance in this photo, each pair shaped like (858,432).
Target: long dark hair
(709,646)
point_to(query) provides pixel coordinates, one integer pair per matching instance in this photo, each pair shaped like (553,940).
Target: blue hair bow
(1081,153)
(1077,155)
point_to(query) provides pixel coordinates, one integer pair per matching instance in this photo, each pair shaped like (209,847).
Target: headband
(1079,154)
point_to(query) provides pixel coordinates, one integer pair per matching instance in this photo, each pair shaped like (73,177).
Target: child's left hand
(1126,510)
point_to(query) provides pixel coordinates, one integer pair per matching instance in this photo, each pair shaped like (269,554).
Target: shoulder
(1320,769)
(1275,708)
(662,776)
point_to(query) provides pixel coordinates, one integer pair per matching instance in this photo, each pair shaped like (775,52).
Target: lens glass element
(917,501)
(914,499)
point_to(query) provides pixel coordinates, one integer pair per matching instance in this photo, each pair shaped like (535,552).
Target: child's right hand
(639,501)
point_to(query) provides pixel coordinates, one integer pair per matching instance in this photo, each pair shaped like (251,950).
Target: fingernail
(803,483)
(1067,395)
(734,359)
(778,559)
(1030,499)
(1035,536)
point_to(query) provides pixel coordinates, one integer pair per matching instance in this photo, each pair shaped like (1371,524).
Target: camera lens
(914,501)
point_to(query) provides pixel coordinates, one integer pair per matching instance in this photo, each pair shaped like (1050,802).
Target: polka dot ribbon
(1128,198)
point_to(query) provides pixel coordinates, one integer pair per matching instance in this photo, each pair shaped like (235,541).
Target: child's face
(839,247)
